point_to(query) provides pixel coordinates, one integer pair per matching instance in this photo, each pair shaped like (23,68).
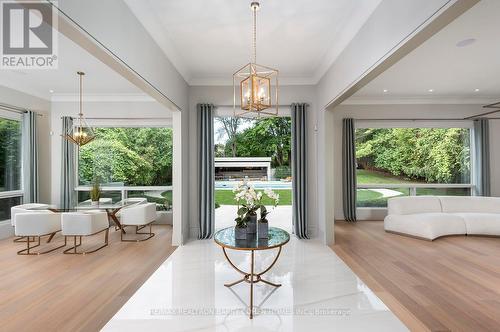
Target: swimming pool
(256,184)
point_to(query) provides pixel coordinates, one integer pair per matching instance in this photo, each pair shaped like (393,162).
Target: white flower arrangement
(251,201)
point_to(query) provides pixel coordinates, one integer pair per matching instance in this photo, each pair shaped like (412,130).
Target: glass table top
(277,237)
(87,206)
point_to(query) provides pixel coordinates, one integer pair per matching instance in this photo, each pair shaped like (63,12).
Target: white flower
(259,195)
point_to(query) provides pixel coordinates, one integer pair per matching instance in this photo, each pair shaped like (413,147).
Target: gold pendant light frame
(257,84)
(81,133)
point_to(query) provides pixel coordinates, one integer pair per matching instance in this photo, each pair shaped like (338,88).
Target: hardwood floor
(57,292)
(450,284)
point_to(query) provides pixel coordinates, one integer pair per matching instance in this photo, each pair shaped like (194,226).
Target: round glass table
(277,238)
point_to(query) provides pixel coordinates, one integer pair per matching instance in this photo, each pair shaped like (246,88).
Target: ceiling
(207,41)
(439,69)
(99,78)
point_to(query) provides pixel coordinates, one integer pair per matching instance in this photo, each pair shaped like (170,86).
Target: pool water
(256,184)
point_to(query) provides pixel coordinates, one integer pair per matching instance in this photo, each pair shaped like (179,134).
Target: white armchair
(78,224)
(139,216)
(37,224)
(24,208)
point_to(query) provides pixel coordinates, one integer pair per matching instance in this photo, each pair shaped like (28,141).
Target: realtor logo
(29,35)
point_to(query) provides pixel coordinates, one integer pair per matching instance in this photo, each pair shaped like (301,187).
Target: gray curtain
(482,157)
(68,197)
(349,169)
(299,169)
(206,171)
(30,157)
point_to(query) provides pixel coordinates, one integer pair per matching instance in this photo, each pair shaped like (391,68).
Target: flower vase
(94,203)
(252,224)
(263,229)
(240,233)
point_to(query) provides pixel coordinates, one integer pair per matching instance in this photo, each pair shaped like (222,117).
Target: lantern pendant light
(81,133)
(256,92)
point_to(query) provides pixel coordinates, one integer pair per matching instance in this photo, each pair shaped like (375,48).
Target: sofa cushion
(468,204)
(481,223)
(426,225)
(412,205)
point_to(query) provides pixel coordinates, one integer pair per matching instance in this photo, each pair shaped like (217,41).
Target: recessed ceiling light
(51,91)
(431,90)
(385,90)
(466,42)
(476,90)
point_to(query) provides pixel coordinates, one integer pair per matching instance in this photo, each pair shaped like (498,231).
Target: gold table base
(252,277)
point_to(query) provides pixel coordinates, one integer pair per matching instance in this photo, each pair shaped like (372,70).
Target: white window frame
(122,123)
(20,192)
(412,188)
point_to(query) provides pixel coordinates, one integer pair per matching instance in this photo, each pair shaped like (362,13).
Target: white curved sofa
(430,217)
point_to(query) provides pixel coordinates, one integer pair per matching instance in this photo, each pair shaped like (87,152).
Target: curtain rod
(237,105)
(15,109)
(483,114)
(401,119)
(153,118)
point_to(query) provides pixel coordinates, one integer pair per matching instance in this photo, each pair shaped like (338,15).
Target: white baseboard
(6,229)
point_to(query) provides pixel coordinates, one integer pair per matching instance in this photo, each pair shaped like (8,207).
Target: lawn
(226,197)
(373,177)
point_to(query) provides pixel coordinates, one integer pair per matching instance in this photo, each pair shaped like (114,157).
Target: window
(10,163)
(394,162)
(128,162)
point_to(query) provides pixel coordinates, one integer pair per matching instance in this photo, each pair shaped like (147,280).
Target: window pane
(128,156)
(115,196)
(378,197)
(413,155)
(6,204)
(10,155)
(163,199)
(443,191)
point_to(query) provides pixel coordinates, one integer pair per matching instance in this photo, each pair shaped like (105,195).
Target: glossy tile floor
(318,293)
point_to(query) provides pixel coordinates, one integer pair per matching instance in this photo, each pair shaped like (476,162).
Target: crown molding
(131,97)
(227,81)
(420,100)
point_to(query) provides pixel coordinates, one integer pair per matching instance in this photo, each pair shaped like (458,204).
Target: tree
(135,156)
(428,154)
(268,137)
(10,154)
(230,126)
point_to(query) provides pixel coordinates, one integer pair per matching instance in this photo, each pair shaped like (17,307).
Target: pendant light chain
(255,86)
(81,88)
(254,34)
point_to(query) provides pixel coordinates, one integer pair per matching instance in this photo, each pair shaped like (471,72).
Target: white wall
(406,112)
(223,95)
(96,109)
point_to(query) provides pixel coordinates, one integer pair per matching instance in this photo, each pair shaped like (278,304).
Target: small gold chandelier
(81,133)
(254,82)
